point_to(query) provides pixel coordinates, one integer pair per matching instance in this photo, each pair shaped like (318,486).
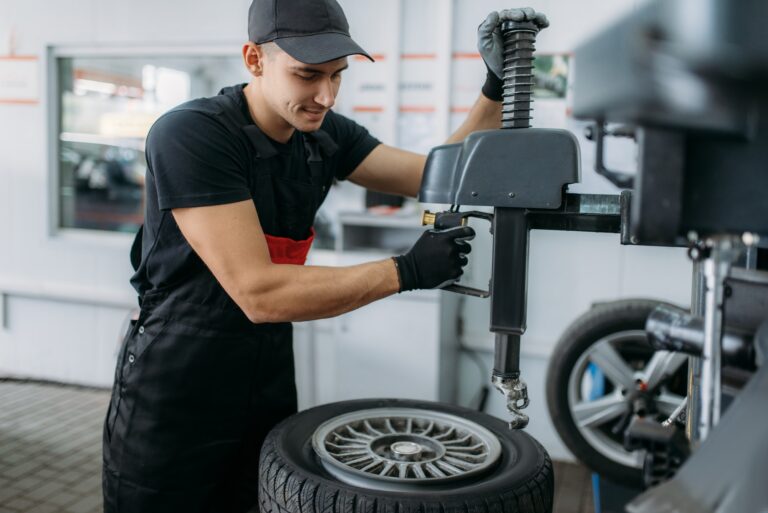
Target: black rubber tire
(602,320)
(292,480)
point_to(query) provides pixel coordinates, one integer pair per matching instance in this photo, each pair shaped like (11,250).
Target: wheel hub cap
(409,451)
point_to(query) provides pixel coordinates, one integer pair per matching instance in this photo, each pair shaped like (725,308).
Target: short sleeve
(195,161)
(354,141)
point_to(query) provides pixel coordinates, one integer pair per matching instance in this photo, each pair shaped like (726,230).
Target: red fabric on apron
(283,250)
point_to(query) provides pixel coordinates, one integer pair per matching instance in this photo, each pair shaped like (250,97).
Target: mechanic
(233,185)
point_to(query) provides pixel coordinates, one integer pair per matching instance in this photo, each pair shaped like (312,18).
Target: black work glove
(491,45)
(435,260)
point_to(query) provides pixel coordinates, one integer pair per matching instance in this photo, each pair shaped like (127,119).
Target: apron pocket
(145,334)
(148,331)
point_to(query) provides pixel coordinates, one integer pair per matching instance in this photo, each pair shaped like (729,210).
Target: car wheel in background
(603,372)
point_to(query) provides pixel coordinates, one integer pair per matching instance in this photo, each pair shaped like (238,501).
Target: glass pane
(107,106)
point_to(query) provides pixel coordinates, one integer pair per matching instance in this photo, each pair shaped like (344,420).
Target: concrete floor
(50,452)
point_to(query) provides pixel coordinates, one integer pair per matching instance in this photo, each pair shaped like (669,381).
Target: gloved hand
(491,45)
(436,259)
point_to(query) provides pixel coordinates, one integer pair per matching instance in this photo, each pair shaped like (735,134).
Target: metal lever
(468,291)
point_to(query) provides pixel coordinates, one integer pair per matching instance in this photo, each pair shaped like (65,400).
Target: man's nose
(325,95)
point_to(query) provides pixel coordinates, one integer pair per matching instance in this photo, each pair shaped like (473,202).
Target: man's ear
(253,58)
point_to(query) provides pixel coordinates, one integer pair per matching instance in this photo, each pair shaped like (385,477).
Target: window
(105,104)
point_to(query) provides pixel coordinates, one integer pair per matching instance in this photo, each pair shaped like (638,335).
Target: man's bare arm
(230,240)
(396,171)
(484,115)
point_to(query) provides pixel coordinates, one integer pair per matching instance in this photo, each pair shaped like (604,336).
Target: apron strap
(136,248)
(327,144)
(241,126)
(316,144)
(314,159)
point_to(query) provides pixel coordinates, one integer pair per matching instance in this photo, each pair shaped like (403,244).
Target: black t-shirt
(194,159)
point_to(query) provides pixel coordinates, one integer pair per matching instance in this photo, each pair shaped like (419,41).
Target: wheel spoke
(460,441)
(428,429)
(459,463)
(372,429)
(668,402)
(473,458)
(605,356)
(387,467)
(436,472)
(596,413)
(661,366)
(352,453)
(357,461)
(477,447)
(441,436)
(345,447)
(358,434)
(371,466)
(350,440)
(447,467)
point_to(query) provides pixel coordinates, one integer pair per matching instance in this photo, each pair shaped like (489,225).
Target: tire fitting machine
(520,172)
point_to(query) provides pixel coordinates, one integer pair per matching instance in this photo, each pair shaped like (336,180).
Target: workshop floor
(50,452)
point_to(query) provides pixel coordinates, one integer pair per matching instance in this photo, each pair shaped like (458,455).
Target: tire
(599,447)
(292,478)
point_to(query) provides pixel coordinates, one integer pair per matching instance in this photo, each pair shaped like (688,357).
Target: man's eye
(306,78)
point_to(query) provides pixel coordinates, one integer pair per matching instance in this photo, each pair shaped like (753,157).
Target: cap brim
(320,48)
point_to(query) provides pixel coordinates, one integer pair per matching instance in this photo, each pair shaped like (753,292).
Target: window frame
(53,105)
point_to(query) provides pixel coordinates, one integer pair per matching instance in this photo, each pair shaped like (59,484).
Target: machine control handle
(450,219)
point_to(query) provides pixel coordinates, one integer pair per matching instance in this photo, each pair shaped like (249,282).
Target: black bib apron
(198,386)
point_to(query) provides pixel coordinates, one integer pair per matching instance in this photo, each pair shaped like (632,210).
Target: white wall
(62,339)
(65,339)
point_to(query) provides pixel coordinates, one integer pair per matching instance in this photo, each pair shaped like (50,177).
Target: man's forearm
(485,115)
(282,293)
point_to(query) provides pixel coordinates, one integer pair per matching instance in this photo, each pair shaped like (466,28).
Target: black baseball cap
(310,31)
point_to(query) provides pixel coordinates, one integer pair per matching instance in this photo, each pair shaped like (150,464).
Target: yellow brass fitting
(428,218)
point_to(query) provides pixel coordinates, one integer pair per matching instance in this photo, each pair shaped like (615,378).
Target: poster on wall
(19,81)
(550,107)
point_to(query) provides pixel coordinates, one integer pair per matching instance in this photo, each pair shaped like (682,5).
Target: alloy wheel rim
(404,448)
(590,415)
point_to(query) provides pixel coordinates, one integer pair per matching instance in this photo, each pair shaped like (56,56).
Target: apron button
(131,358)
(141,330)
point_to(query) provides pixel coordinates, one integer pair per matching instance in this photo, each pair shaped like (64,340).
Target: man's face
(301,93)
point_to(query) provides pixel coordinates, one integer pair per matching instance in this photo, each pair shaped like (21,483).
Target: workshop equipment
(477,172)
(688,80)
(522,173)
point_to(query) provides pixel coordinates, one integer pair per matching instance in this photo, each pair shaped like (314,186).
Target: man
(233,185)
